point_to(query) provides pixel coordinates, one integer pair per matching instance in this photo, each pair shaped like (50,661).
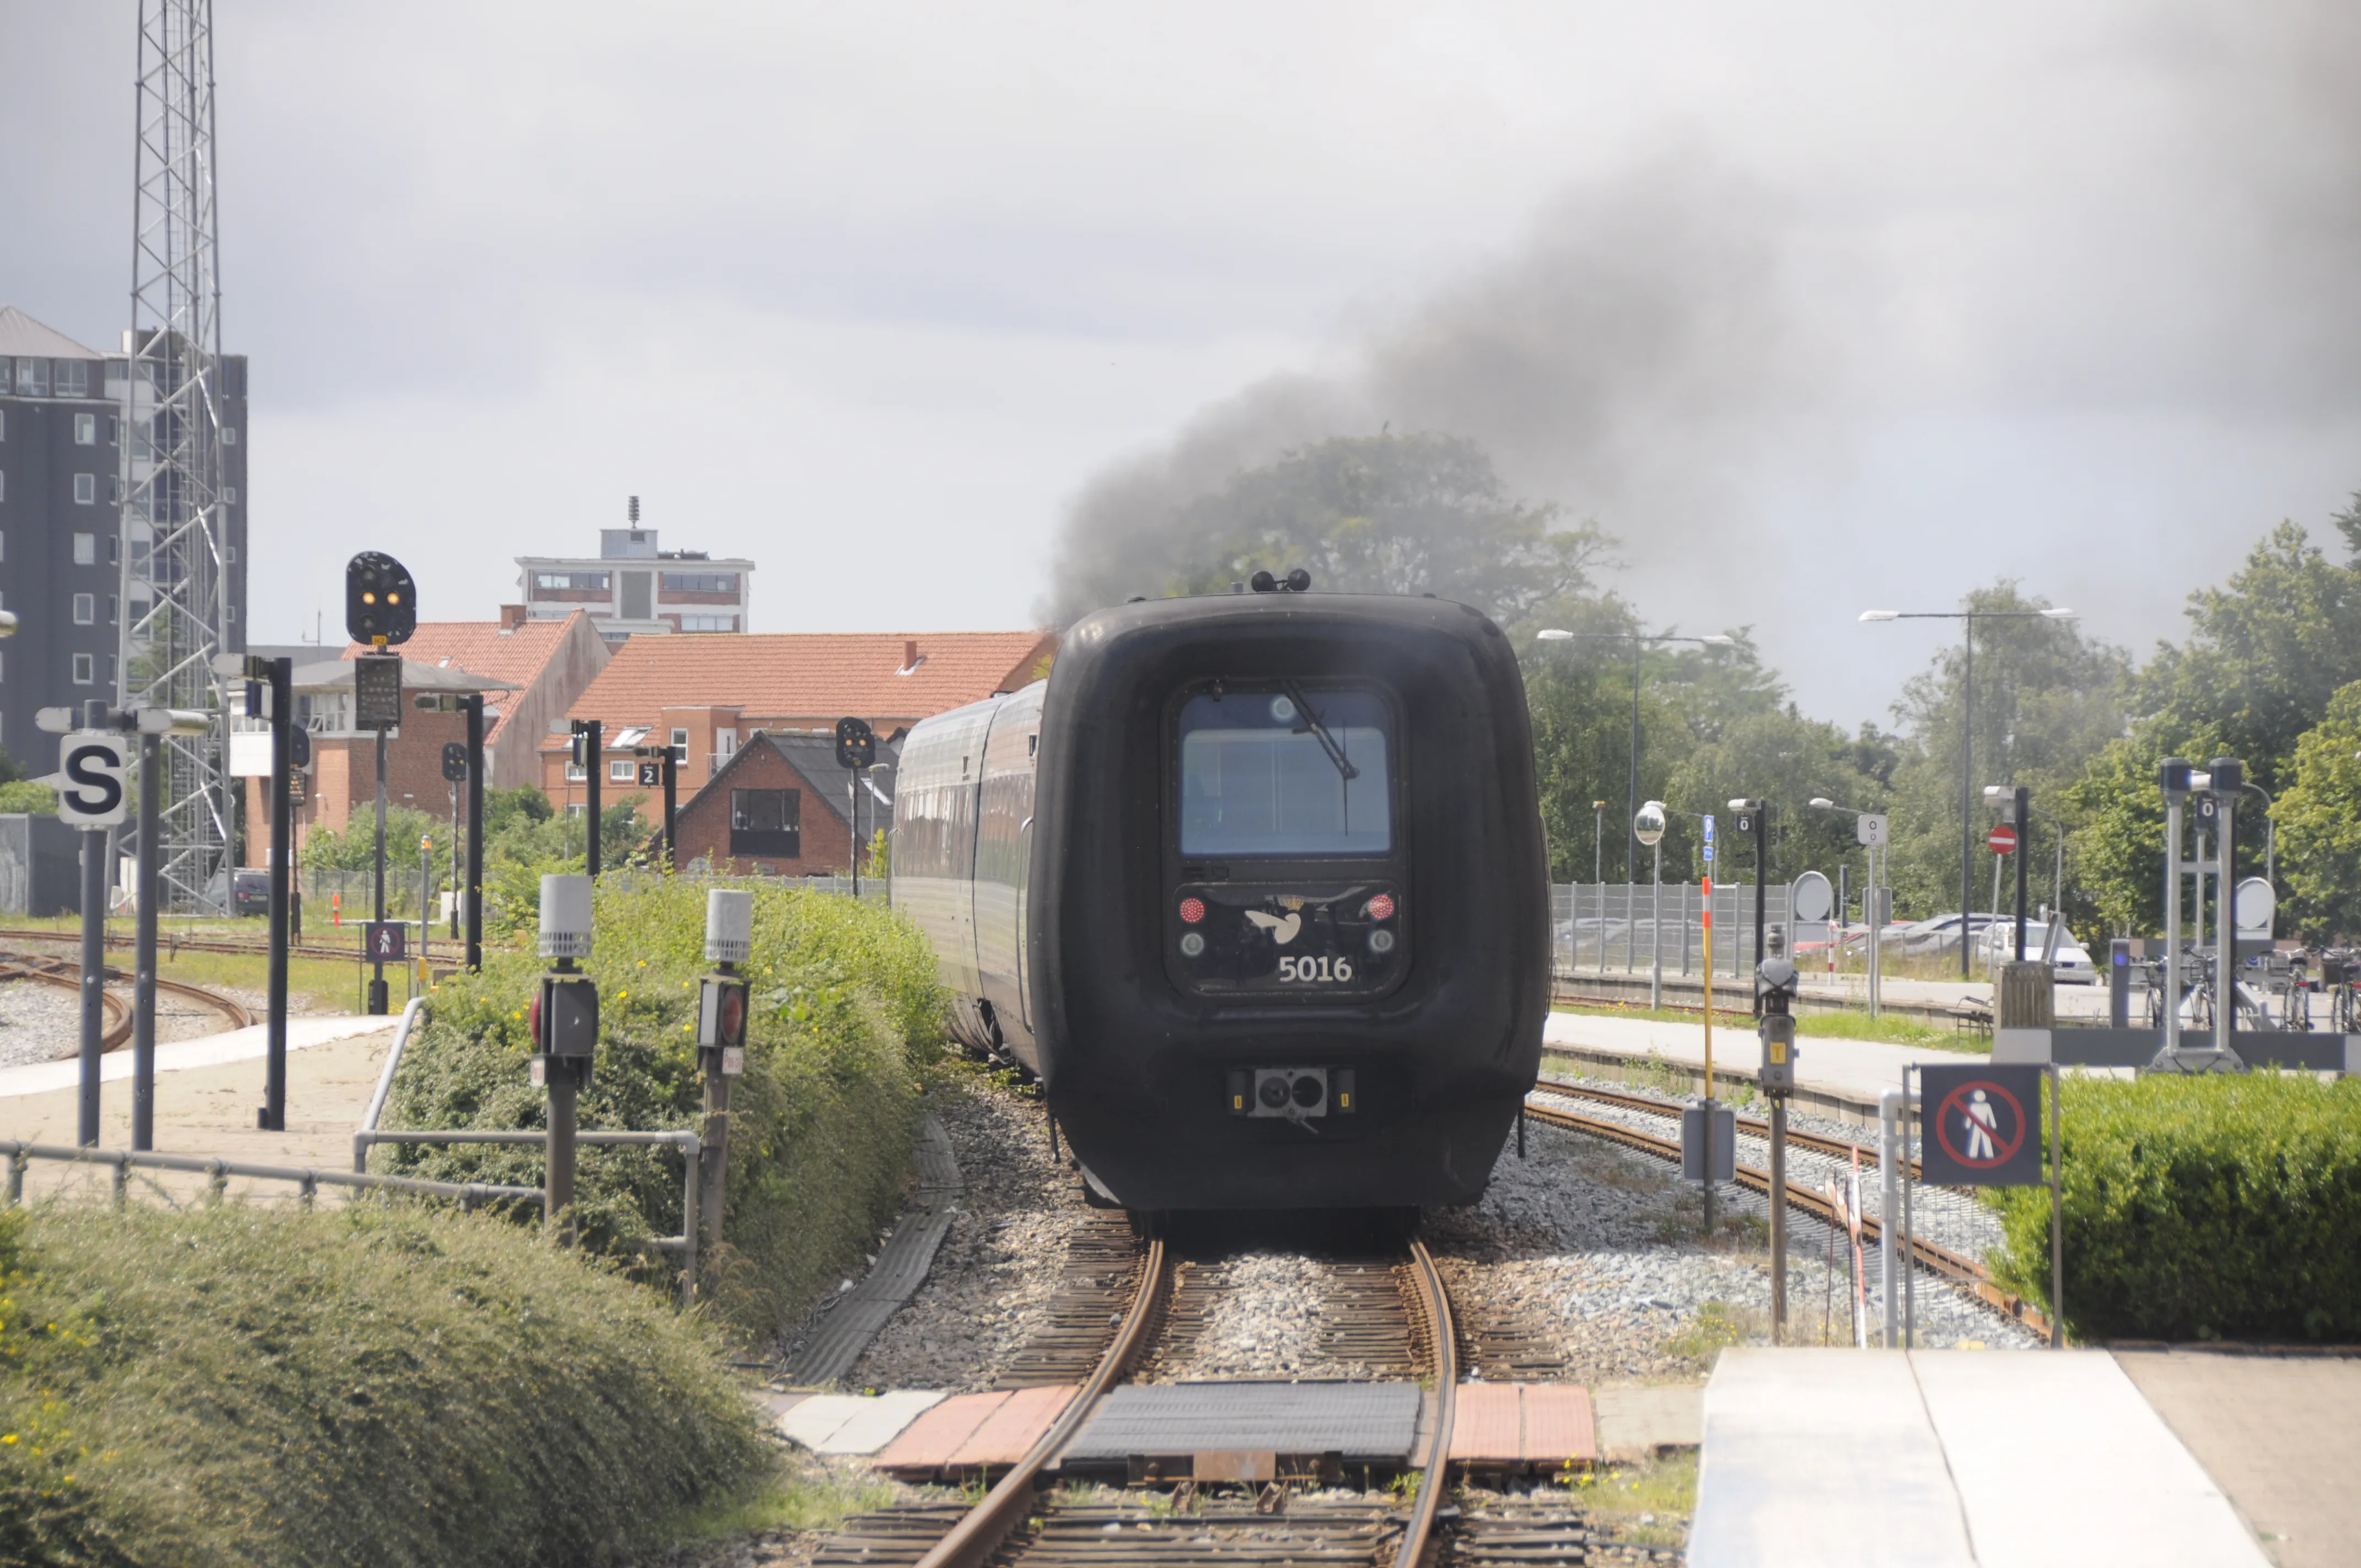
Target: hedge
(375,1384)
(2218,1207)
(847,1015)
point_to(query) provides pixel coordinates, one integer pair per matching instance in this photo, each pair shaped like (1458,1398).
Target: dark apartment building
(63,470)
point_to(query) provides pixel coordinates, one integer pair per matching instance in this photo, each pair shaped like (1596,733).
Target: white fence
(1622,928)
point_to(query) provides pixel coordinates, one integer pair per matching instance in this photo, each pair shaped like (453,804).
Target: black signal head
(380,600)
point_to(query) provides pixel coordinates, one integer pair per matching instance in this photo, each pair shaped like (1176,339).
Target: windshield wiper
(1345,767)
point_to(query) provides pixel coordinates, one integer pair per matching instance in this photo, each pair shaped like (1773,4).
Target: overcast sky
(1817,306)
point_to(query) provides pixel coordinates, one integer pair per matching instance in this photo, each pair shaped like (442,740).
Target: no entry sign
(2002,840)
(1979,1126)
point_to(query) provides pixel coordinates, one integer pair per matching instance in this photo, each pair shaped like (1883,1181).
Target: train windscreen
(1286,772)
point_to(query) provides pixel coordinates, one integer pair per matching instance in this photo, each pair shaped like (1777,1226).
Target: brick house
(549,663)
(342,781)
(709,696)
(781,806)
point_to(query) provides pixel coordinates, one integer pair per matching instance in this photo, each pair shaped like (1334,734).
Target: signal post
(721,1015)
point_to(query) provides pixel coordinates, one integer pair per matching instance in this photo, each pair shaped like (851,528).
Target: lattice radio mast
(173,606)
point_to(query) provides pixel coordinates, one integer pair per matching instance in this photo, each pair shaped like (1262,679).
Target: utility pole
(174,588)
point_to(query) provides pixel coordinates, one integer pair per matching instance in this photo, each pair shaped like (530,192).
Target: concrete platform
(2281,1433)
(1647,1422)
(1948,1458)
(848,1423)
(1832,1075)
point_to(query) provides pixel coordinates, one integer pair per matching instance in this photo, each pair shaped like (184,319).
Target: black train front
(1256,883)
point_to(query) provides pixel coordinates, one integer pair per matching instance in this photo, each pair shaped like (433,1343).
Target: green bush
(375,1384)
(2201,1208)
(847,1014)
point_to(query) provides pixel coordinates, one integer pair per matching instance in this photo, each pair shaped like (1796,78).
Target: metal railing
(467,1194)
(683,1245)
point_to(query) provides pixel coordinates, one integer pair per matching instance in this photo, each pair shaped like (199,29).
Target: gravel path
(1000,1263)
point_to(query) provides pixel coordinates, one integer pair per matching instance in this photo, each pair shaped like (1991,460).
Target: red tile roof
(810,675)
(483,648)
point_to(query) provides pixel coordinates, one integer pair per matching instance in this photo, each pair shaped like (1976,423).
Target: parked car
(1938,935)
(249,893)
(2072,962)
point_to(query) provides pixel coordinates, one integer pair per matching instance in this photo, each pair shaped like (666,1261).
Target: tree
(2319,819)
(2266,654)
(2046,700)
(1392,514)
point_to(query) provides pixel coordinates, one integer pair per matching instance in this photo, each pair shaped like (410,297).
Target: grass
(1890,1029)
(1649,1503)
(1717,1326)
(790,1500)
(378,1384)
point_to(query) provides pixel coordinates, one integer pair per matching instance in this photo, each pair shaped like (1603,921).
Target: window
(1260,776)
(229,436)
(7,380)
(115,489)
(85,609)
(700,582)
(110,669)
(4,413)
(113,549)
(569,582)
(680,745)
(230,555)
(229,495)
(85,430)
(578,807)
(766,822)
(576,773)
(621,771)
(33,378)
(113,604)
(229,618)
(709,623)
(73,381)
(85,549)
(85,670)
(85,489)
(725,742)
(114,430)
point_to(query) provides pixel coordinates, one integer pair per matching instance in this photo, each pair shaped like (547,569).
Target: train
(1255,885)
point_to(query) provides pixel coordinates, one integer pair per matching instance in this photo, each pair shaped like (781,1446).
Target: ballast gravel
(1000,1261)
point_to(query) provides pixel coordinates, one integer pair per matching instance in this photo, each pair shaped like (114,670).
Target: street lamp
(1556,634)
(1968,619)
(1650,828)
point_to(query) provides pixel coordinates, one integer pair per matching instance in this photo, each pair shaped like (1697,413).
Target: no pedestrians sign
(1979,1126)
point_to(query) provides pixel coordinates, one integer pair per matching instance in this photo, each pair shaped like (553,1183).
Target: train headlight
(1272,1090)
(1381,941)
(1192,944)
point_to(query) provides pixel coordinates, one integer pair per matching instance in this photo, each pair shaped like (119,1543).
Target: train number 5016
(1314,970)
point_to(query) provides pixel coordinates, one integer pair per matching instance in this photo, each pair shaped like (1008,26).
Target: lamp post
(1649,826)
(1597,838)
(1631,800)
(1869,827)
(1968,619)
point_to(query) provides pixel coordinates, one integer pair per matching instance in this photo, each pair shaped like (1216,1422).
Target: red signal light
(1192,910)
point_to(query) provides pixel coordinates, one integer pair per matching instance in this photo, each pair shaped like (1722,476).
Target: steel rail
(1434,1475)
(64,971)
(216,944)
(1835,1148)
(980,1532)
(1956,1266)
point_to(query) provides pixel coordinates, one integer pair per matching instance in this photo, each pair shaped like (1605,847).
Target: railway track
(1956,1267)
(1393,1314)
(66,972)
(213,944)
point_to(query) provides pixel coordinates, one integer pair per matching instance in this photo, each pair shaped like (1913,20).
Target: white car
(2072,963)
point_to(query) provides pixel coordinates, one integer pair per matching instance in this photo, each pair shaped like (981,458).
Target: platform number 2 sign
(88,779)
